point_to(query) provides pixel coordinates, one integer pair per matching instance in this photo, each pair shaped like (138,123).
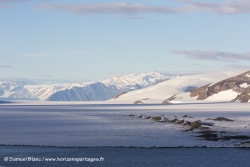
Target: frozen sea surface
(110,125)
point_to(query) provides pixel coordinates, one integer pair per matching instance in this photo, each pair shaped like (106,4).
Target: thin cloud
(213,55)
(133,17)
(6,66)
(15,1)
(7,3)
(226,7)
(11,1)
(40,55)
(236,66)
(110,8)
(45,76)
(186,6)
(155,22)
(76,53)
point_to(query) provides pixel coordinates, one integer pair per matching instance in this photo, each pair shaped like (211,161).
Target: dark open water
(124,157)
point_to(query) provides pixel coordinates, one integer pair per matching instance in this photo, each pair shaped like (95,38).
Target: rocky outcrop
(243,97)
(119,95)
(168,101)
(233,83)
(230,83)
(205,130)
(138,102)
(222,119)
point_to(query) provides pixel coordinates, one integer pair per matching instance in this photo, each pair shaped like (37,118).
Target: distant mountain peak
(142,79)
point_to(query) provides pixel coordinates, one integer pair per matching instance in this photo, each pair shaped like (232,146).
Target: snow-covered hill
(175,89)
(235,89)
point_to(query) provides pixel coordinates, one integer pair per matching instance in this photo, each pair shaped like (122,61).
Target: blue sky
(69,41)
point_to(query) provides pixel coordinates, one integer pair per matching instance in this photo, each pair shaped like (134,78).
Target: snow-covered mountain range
(211,87)
(151,87)
(89,91)
(136,81)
